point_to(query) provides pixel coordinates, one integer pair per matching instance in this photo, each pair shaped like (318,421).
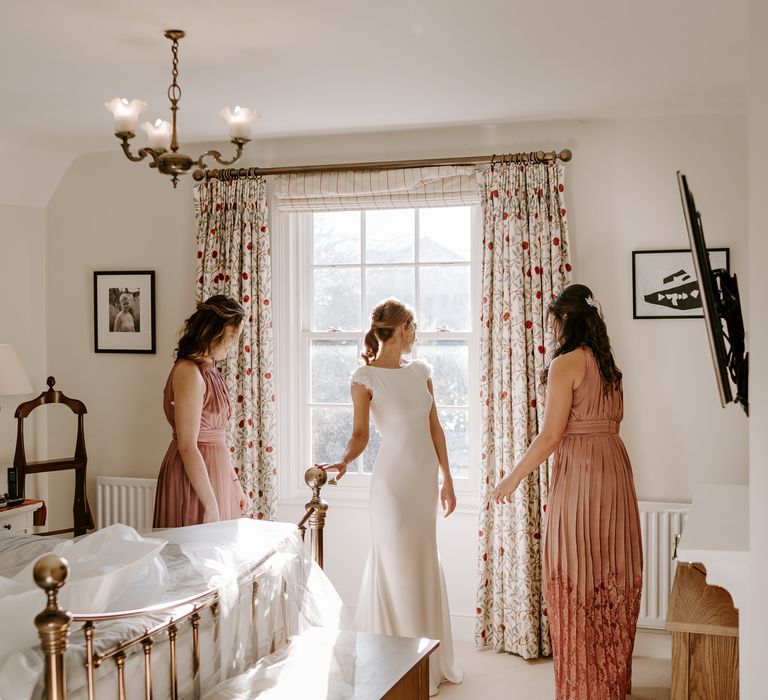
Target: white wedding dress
(403,589)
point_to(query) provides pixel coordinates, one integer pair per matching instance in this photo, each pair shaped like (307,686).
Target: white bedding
(293,594)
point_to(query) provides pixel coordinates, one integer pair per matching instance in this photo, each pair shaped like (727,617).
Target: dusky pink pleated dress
(593,560)
(176,503)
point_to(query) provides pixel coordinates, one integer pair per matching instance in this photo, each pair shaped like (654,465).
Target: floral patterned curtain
(234,258)
(524,265)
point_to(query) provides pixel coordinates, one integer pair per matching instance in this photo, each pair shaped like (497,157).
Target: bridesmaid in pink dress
(593,561)
(197,483)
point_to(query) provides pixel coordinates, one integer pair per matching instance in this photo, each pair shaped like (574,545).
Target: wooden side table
(19,519)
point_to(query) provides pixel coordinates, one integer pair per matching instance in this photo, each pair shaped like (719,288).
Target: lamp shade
(13,379)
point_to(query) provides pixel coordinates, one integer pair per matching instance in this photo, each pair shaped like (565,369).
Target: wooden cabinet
(344,664)
(19,519)
(705,638)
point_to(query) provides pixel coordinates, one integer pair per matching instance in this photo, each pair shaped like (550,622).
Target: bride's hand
(340,467)
(448,498)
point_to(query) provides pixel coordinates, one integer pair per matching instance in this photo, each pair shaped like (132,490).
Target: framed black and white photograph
(664,283)
(124,311)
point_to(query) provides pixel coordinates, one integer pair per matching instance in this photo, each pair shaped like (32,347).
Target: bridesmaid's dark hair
(580,324)
(386,316)
(204,329)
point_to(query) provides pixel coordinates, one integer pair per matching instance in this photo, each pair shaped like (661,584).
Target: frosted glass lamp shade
(13,379)
(159,133)
(126,113)
(239,120)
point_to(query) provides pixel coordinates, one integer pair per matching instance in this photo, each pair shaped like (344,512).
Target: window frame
(292,306)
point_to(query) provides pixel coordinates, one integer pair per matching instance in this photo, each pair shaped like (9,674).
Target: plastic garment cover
(293,594)
(290,595)
(317,665)
(108,569)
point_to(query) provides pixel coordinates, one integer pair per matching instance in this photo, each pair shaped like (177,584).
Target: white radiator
(127,500)
(659,523)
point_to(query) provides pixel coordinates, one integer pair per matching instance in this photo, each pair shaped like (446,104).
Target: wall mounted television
(722,310)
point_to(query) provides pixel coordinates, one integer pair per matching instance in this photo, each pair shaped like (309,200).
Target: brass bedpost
(316,478)
(50,573)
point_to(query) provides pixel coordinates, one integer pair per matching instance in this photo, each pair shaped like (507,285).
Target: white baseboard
(653,644)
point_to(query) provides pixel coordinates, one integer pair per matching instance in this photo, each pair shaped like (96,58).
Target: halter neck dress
(176,502)
(593,558)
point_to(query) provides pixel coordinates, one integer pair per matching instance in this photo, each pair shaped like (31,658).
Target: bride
(403,589)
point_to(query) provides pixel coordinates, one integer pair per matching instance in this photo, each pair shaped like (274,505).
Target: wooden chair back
(81,511)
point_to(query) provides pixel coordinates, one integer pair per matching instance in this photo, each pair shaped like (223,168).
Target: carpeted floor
(492,676)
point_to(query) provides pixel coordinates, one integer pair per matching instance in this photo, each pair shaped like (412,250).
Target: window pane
(450,370)
(445,234)
(337,299)
(336,237)
(331,361)
(445,299)
(455,423)
(389,235)
(383,282)
(331,427)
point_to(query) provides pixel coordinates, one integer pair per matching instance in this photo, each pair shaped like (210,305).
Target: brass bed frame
(53,623)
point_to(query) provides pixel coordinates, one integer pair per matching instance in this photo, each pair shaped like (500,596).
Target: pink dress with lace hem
(592,550)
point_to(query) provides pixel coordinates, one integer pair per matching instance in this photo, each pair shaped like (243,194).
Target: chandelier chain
(172,162)
(174,93)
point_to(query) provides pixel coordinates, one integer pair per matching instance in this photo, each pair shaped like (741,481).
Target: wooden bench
(705,637)
(324,663)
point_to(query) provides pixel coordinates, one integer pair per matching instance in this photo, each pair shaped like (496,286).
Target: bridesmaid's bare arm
(188,394)
(361,402)
(563,374)
(447,494)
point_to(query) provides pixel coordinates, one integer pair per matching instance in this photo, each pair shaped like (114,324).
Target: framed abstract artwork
(664,283)
(124,311)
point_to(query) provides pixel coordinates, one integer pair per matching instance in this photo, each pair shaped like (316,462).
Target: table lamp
(13,381)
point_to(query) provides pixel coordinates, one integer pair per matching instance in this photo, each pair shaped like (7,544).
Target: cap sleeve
(424,368)
(362,376)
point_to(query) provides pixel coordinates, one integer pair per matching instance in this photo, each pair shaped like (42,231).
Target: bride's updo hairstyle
(579,323)
(386,317)
(204,329)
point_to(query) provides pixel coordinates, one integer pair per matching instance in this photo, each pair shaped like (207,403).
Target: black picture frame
(124,311)
(669,278)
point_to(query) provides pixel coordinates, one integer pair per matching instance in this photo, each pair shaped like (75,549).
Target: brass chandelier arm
(142,153)
(216,155)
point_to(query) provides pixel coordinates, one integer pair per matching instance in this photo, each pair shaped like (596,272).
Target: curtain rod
(531,157)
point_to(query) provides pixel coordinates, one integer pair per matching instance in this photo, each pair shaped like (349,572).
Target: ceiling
(322,66)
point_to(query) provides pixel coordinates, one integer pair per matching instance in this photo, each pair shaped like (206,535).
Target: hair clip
(591,301)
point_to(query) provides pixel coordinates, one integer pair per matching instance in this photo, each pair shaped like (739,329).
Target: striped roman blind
(437,186)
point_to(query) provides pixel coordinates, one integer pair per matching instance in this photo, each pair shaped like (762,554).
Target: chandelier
(163,141)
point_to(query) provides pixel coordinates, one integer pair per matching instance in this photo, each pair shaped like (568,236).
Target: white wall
(754,620)
(23,321)
(111,214)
